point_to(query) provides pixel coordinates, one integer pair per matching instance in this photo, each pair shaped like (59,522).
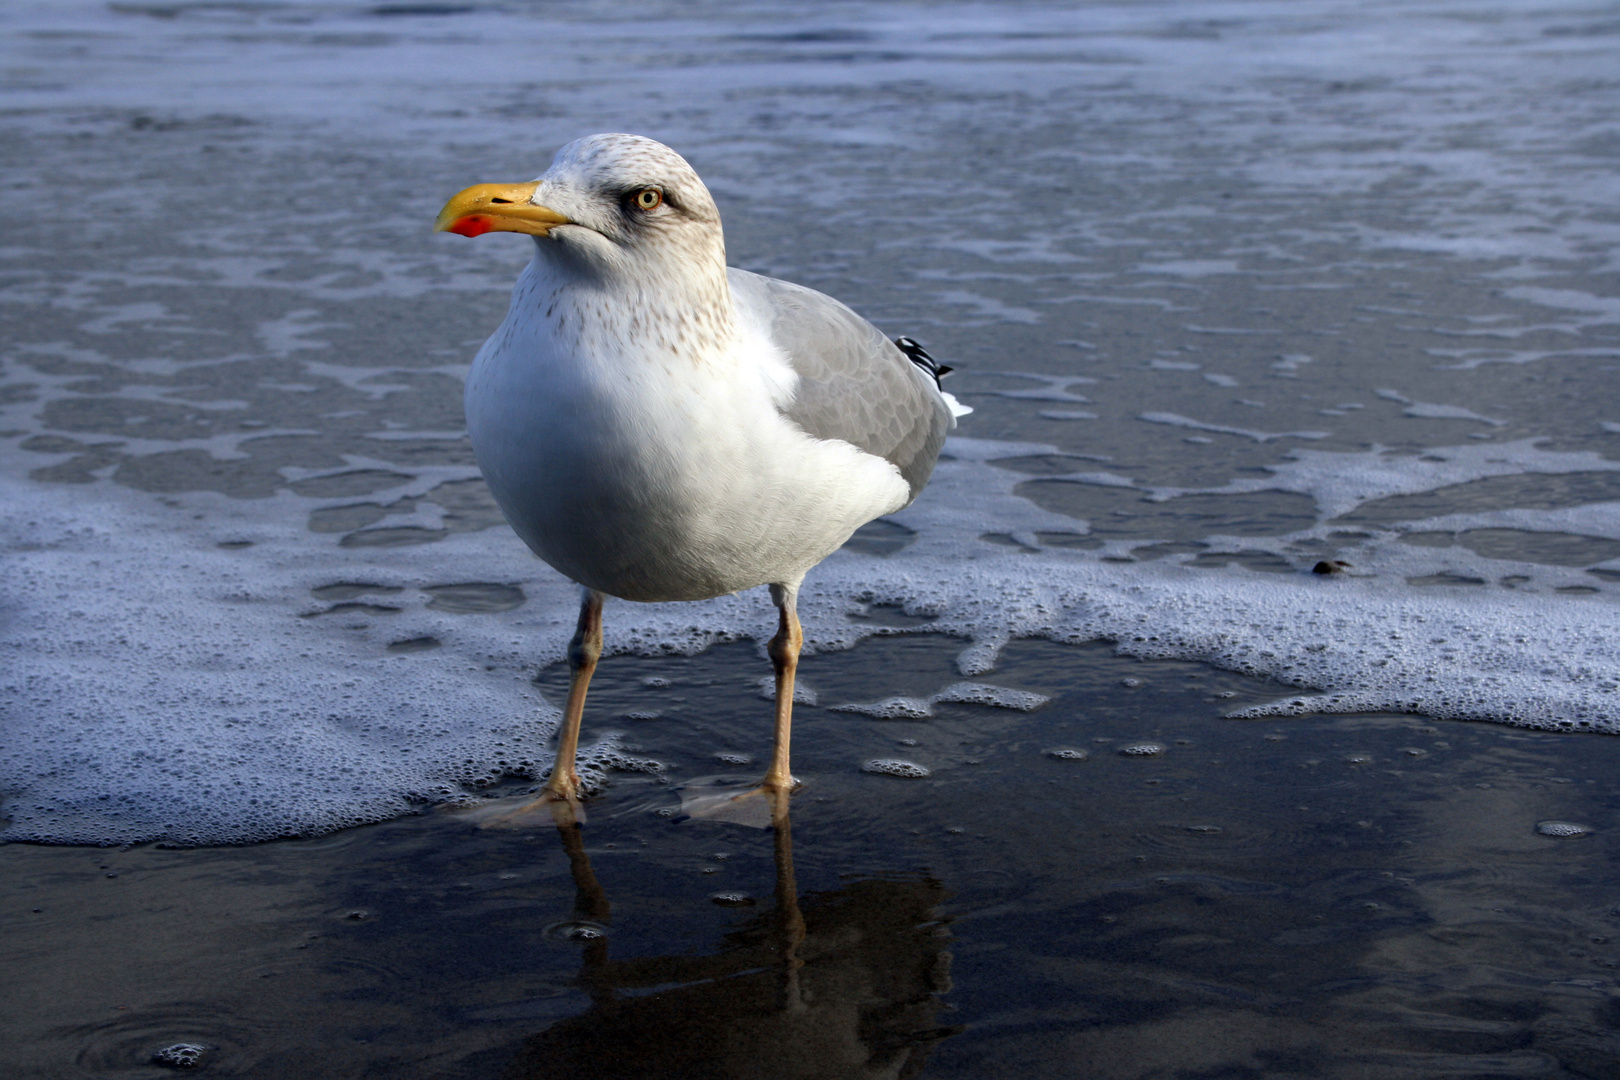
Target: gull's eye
(648,199)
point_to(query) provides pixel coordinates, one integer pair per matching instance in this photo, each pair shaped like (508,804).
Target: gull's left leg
(765,804)
(784,651)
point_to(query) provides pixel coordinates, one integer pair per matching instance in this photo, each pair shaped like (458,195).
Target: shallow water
(1234,289)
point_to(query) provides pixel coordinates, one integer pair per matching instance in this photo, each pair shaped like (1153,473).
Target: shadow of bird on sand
(844,987)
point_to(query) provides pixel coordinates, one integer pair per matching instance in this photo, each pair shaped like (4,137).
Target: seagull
(659,426)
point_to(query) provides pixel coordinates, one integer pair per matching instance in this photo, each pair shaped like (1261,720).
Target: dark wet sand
(1360,896)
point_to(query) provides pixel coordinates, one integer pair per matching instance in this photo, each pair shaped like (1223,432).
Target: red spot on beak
(471,225)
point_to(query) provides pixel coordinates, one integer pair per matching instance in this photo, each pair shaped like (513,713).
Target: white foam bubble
(909,770)
(1340,482)
(1562,828)
(891,708)
(999,697)
(1425,410)
(1177,420)
(1051,388)
(964,693)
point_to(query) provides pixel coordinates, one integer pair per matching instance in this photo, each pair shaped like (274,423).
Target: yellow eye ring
(649,199)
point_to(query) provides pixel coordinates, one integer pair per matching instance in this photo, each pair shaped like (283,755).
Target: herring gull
(659,426)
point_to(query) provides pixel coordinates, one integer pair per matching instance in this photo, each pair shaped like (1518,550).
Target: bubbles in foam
(999,697)
(1562,828)
(963,693)
(894,708)
(1146,749)
(895,767)
(181,1055)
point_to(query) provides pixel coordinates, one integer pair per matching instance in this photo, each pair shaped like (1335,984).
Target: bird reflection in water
(845,987)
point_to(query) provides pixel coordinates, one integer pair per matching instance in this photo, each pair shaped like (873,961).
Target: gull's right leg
(583,652)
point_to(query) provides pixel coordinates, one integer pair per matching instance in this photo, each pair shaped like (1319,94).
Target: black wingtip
(919,356)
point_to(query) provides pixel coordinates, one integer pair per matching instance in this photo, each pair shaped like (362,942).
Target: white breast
(651,474)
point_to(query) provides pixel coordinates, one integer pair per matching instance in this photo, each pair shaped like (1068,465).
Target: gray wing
(854,383)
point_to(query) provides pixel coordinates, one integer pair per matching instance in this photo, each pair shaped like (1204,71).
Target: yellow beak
(486,208)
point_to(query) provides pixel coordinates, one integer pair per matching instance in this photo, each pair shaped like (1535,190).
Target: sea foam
(160,686)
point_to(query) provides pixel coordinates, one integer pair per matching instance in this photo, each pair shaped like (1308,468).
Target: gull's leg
(765,804)
(583,653)
(784,651)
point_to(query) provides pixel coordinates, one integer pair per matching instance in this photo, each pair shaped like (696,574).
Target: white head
(614,205)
